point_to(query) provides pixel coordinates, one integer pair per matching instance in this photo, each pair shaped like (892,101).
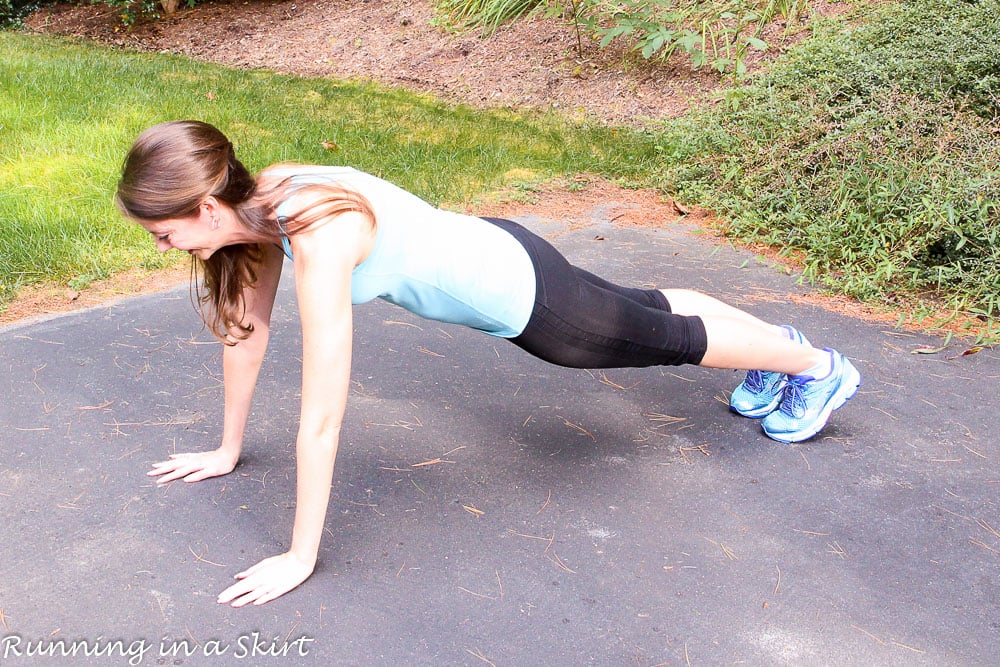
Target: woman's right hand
(194,466)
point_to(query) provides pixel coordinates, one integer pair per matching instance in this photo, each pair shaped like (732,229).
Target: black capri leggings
(583,321)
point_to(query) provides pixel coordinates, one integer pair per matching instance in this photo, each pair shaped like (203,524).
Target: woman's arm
(325,256)
(240,367)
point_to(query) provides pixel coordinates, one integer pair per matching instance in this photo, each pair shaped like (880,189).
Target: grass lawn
(70,111)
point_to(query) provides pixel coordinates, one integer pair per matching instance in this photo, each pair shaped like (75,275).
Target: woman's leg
(737,339)
(580,320)
(583,321)
(691,302)
(732,343)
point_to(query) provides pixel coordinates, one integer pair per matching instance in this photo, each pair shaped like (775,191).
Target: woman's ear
(210,208)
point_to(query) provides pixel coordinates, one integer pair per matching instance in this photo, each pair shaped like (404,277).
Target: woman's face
(196,235)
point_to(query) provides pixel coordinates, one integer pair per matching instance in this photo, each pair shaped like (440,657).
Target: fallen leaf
(680,208)
(929,350)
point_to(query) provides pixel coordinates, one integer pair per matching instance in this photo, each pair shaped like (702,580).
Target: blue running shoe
(807,402)
(760,392)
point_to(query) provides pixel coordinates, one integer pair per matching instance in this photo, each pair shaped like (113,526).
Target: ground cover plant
(12,11)
(871,154)
(710,33)
(70,111)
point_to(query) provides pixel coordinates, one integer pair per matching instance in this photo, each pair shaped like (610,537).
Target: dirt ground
(533,63)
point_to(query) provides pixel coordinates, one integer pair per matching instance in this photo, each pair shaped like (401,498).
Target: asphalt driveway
(490,509)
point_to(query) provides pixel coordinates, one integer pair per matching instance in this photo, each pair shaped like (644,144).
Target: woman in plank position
(353,237)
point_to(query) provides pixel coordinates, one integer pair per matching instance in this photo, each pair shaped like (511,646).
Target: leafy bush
(717,34)
(713,33)
(875,152)
(12,11)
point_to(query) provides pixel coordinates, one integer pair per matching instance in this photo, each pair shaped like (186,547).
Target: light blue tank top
(440,265)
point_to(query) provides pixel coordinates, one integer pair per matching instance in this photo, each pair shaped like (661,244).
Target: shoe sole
(848,388)
(758,413)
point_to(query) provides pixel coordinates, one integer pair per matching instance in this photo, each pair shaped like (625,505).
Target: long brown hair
(170,170)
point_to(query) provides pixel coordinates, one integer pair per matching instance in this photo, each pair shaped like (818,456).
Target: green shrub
(716,34)
(712,33)
(12,11)
(874,152)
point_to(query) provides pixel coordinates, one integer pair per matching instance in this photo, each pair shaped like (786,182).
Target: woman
(354,237)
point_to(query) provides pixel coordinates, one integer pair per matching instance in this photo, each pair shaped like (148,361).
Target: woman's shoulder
(284,171)
(285,184)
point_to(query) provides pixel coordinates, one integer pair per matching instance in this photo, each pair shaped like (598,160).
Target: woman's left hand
(267,580)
